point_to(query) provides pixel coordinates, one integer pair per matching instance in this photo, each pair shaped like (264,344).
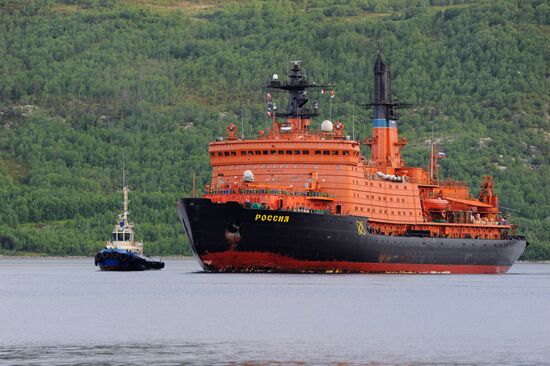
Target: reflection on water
(64,312)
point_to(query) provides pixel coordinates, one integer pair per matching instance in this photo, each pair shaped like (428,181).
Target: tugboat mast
(125,217)
(125,190)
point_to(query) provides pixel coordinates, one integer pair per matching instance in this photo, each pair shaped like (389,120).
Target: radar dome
(326,126)
(248,176)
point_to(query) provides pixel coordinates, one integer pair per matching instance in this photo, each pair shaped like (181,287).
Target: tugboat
(355,214)
(123,252)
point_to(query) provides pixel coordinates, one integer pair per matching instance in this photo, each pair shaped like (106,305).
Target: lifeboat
(435,204)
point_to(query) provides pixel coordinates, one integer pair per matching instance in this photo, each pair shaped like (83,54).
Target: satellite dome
(326,126)
(248,176)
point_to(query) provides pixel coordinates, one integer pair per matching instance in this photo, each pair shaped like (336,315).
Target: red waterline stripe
(264,262)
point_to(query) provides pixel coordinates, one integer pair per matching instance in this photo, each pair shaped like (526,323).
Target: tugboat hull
(230,238)
(121,260)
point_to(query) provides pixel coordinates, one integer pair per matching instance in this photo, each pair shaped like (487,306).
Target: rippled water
(64,311)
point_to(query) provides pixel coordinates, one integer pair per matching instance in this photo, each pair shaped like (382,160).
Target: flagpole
(432,163)
(353,122)
(242,120)
(432,154)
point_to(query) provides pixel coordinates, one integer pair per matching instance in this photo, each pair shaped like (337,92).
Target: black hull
(120,260)
(229,237)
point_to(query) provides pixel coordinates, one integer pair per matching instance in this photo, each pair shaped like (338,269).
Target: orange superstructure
(396,198)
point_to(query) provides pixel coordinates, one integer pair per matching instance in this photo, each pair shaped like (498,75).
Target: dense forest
(89,85)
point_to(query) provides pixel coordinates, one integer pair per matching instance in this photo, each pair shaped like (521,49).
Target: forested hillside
(85,82)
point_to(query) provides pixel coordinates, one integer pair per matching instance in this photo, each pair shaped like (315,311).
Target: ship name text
(272,218)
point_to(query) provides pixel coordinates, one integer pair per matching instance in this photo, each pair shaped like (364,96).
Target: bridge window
(296,152)
(250,152)
(289,152)
(335,152)
(280,152)
(258,152)
(266,152)
(226,153)
(220,154)
(233,153)
(212,154)
(273,152)
(345,152)
(243,153)
(317,152)
(305,152)
(326,152)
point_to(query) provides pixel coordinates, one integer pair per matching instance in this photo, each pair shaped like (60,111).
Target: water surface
(64,311)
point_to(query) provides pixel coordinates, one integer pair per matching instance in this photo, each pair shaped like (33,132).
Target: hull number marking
(272,218)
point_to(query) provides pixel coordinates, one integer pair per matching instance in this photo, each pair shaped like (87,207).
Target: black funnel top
(382,90)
